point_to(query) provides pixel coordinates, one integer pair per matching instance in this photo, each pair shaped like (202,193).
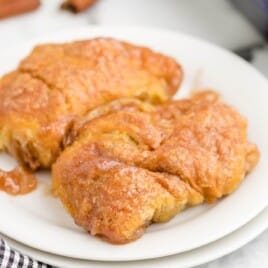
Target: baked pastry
(58,83)
(133,163)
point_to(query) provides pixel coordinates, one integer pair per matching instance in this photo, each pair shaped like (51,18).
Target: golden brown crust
(33,119)
(58,83)
(173,155)
(114,200)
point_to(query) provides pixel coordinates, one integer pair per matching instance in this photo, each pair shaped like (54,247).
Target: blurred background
(237,25)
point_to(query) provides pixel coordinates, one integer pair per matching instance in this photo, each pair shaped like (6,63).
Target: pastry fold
(58,83)
(133,163)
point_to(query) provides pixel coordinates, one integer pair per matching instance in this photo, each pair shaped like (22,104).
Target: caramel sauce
(17,181)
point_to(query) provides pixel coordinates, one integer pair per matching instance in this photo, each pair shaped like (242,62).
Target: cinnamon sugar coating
(58,83)
(133,163)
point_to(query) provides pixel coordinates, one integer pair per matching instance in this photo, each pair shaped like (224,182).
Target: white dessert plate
(38,219)
(188,259)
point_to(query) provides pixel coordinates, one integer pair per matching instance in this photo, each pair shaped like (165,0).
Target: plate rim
(252,229)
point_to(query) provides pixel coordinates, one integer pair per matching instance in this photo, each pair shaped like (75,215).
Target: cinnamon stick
(77,5)
(14,7)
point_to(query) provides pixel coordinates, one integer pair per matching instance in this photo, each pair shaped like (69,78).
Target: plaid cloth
(10,258)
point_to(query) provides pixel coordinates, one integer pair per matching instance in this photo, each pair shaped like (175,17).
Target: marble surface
(214,20)
(253,255)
